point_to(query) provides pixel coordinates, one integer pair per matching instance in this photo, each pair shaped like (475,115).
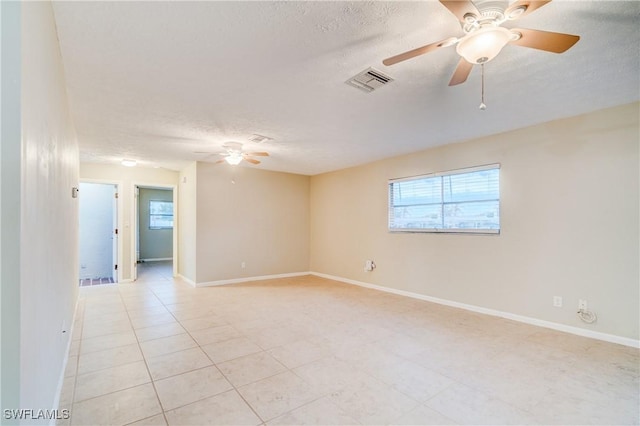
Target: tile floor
(312,351)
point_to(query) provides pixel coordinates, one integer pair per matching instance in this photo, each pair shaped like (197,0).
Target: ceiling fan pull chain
(482,104)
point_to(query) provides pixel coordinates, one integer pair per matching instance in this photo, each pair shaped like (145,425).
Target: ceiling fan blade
(420,51)
(527,7)
(258,154)
(461,8)
(461,73)
(220,161)
(545,40)
(252,160)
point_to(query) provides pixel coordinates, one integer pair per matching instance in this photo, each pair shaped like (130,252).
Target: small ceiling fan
(234,154)
(484,36)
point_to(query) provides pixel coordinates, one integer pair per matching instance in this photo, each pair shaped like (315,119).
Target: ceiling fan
(484,36)
(234,154)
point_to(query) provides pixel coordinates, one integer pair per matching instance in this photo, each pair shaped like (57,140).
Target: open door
(136,208)
(98,233)
(154,245)
(115,235)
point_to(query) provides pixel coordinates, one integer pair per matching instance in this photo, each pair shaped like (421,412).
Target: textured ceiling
(159,81)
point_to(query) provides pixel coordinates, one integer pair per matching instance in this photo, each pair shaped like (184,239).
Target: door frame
(120,218)
(134,222)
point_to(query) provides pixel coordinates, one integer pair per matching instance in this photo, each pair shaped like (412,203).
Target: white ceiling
(158,81)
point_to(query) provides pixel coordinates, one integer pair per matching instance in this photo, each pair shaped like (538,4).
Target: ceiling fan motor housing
(491,13)
(232,146)
(491,8)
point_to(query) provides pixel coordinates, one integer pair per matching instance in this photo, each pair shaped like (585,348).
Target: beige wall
(569,212)
(253,216)
(187,222)
(127,177)
(49,228)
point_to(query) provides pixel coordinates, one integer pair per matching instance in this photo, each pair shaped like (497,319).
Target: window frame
(151,214)
(442,203)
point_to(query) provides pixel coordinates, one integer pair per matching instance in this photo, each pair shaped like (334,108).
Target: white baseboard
(247,279)
(56,401)
(187,280)
(158,259)
(612,338)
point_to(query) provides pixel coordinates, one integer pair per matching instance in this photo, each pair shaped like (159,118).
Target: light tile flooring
(312,351)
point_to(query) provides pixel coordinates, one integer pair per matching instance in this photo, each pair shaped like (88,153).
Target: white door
(98,248)
(115,235)
(136,231)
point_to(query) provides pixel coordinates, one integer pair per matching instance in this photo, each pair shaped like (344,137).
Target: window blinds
(466,200)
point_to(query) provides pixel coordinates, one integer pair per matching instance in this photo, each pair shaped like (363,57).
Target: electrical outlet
(557,301)
(582,305)
(243,265)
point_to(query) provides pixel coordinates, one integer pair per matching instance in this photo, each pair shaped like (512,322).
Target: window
(160,214)
(466,200)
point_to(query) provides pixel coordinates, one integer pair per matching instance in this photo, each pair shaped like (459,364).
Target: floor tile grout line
(235,388)
(409,359)
(222,373)
(301,378)
(147,368)
(105,349)
(112,392)
(199,346)
(201,399)
(146,418)
(111,366)
(227,379)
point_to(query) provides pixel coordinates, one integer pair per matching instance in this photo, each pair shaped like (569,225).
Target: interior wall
(49,228)
(187,208)
(127,176)
(569,213)
(153,243)
(251,222)
(96,230)
(10,158)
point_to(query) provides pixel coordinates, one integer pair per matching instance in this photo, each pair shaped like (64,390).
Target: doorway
(154,231)
(98,233)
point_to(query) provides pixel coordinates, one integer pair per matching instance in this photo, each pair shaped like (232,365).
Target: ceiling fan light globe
(233,159)
(484,44)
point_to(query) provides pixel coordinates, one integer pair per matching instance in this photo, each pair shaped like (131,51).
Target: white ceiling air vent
(259,138)
(369,80)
